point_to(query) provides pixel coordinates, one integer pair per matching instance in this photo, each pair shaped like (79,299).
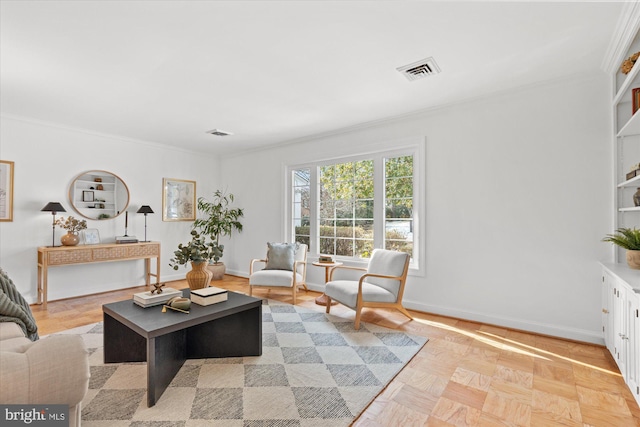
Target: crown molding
(623,35)
(128,140)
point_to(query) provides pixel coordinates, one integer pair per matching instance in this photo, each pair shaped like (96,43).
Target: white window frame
(415,149)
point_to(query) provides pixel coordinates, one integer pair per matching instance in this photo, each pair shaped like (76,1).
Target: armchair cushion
(389,263)
(274,278)
(346,291)
(280,256)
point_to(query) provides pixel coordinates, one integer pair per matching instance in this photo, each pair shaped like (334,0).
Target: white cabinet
(620,284)
(621,321)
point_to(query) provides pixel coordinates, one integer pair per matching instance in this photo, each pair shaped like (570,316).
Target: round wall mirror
(99,195)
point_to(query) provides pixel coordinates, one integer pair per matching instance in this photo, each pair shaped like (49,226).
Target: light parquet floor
(468,374)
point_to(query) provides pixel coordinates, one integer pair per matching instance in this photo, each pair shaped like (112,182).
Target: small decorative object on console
(148,299)
(126,238)
(209,295)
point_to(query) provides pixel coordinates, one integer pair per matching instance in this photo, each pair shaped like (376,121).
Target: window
(301,206)
(348,207)
(398,217)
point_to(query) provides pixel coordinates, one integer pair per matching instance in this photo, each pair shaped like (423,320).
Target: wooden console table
(85,254)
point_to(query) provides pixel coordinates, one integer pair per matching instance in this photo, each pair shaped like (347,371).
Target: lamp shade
(53,207)
(145,209)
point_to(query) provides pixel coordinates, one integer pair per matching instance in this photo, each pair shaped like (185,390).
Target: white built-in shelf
(632,127)
(626,85)
(630,209)
(633,182)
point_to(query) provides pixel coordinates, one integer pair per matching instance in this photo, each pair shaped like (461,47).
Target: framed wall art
(6,190)
(178,200)
(91,236)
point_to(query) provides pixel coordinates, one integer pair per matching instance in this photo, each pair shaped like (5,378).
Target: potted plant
(629,239)
(199,253)
(218,220)
(73,227)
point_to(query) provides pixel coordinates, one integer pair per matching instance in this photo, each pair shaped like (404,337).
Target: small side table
(322,299)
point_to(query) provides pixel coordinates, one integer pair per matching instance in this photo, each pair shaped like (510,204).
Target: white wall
(47,158)
(518,191)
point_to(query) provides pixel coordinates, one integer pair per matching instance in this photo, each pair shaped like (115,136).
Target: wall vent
(219,132)
(417,70)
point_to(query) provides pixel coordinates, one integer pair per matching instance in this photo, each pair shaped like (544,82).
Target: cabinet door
(632,339)
(620,329)
(608,308)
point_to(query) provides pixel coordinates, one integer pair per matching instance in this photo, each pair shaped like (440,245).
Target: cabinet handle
(624,337)
(605,311)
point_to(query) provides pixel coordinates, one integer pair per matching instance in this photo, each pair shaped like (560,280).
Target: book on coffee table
(208,296)
(147,299)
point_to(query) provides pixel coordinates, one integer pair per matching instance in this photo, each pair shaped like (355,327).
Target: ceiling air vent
(219,132)
(419,69)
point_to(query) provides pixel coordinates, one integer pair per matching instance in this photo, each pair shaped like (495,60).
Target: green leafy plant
(197,250)
(218,219)
(627,238)
(71,224)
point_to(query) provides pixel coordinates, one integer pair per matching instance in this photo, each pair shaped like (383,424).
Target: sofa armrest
(54,370)
(10,330)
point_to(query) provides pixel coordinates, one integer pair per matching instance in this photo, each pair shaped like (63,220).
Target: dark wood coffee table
(232,328)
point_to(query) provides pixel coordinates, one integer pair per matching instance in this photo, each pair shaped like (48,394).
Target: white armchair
(382,284)
(285,267)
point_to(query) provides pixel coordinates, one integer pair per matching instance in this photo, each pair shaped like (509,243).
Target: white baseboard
(582,335)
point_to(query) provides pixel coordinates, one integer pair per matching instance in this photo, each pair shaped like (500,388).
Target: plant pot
(633,259)
(217,270)
(199,276)
(70,239)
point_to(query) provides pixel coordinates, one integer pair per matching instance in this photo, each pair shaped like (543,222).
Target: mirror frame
(72,186)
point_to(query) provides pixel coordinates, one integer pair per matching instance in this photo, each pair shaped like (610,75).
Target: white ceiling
(273,72)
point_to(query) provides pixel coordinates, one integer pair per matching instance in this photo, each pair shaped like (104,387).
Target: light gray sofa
(53,370)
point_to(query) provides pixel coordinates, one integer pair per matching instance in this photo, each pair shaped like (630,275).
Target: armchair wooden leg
(328,309)
(250,290)
(358,313)
(294,294)
(405,312)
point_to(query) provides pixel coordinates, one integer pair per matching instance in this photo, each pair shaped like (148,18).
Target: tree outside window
(346,223)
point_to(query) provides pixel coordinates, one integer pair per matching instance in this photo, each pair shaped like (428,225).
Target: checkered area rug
(315,370)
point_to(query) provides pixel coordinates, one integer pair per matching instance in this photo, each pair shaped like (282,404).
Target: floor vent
(420,69)
(218,132)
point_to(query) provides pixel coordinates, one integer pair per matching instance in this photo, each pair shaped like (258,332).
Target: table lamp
(53,207)
(145,209)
